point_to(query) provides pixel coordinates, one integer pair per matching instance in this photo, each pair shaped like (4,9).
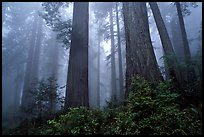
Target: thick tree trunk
(77,79)
(172,63)
(27,97)
(191,76)
(119,55)
(113,75)
(140,57)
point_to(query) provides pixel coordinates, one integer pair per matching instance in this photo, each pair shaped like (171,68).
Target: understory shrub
(149,110)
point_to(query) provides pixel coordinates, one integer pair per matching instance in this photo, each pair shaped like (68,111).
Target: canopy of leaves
(51,14)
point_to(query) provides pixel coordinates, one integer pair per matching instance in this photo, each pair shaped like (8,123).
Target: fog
(31,45)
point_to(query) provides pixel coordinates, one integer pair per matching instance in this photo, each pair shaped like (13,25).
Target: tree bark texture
(140,57)
(77,79)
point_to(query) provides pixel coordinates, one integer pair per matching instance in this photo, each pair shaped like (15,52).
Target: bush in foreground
(148,110)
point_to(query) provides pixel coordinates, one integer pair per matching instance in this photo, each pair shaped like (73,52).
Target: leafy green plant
(46,94)
(149,110)
(77,121)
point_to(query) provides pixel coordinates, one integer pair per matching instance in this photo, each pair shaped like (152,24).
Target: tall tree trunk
(172,63)
(119,55)
(113,75)
(16,94)
(191,76)
(35,64)
(140,57)
(54,55)
(98,73)
(177,39)
(177,43)
(77,79)
(27,97)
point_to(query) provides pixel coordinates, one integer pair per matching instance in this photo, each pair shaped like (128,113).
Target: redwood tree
(113,73)
(119,55)
(171,60)
(77,79)
(190,72)
(140,57)
(27,97)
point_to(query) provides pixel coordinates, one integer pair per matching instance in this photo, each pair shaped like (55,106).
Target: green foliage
(77,121)
(46,94)
(53,19)
(148,110)
(168,59)
(192,88)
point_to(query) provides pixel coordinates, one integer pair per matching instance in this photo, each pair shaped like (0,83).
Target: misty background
(22,20)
